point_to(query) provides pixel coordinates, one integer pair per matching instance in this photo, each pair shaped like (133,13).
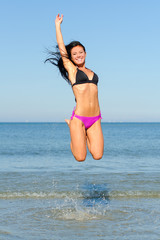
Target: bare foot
(67,121)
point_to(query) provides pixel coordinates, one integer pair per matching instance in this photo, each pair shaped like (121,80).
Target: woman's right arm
(66,62)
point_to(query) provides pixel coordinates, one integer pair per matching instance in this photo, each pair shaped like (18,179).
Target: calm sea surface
(46,194)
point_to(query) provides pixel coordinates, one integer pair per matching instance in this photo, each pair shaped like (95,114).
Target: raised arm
(67,63)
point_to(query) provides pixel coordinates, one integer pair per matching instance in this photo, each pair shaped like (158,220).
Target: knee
(80,157)
(97,156)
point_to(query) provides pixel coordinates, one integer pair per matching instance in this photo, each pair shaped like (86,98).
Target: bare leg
(78,138)
(95,140)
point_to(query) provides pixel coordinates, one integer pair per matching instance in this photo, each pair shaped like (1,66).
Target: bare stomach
(86,110)
(87,103)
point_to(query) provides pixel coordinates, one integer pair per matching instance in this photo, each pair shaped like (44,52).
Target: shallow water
(46,194)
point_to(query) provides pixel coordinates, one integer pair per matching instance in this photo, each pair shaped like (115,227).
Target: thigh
(78,139)
(95,140)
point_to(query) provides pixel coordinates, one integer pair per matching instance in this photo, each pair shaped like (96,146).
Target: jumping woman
(85,123)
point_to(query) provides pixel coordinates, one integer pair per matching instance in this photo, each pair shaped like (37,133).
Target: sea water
(46,194)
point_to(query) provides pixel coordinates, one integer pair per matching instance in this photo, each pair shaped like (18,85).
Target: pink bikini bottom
(88,121)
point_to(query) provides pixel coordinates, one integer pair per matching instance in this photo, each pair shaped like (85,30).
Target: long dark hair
(56,59)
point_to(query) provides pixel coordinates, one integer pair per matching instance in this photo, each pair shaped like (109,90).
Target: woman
(85,123)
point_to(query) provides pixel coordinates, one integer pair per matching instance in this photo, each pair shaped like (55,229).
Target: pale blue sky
(122,39)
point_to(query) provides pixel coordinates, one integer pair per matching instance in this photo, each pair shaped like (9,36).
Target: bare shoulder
(72,70)
(88,70)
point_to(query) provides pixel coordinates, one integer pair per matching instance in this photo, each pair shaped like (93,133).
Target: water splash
(89,202)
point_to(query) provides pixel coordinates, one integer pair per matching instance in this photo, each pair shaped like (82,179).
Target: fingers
(60,17)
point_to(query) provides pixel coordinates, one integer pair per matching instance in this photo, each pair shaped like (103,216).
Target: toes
(67,121)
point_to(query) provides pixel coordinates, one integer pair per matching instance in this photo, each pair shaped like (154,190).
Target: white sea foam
(81,195)
(39,195)
(135,194)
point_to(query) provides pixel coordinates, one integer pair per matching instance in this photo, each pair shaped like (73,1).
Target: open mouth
(79,60)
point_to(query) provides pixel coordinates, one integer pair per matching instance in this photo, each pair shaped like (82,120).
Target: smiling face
(78,55)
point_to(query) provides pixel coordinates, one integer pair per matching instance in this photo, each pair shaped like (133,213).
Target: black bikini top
(81,77)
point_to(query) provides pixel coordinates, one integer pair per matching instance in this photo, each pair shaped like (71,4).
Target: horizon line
(65,122)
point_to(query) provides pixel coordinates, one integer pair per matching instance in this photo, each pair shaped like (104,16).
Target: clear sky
(122,40)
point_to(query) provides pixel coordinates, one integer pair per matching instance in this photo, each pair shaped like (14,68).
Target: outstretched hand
(59,19)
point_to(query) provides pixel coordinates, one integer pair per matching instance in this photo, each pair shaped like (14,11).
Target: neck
(82,66)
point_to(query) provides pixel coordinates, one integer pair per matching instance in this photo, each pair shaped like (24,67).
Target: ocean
(46,194)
